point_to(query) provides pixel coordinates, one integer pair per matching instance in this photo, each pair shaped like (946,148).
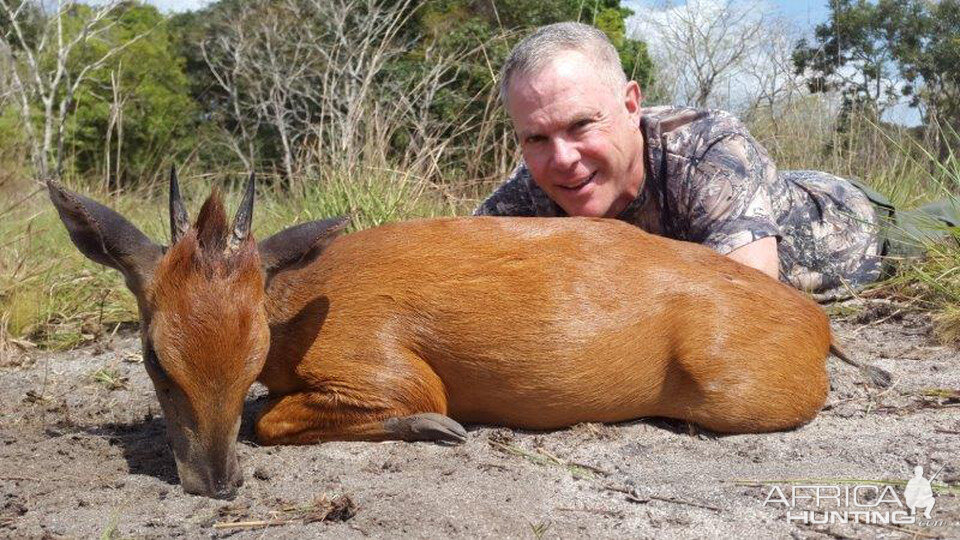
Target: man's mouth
(581,184)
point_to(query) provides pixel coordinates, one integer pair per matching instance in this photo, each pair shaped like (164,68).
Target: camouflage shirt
(708,181)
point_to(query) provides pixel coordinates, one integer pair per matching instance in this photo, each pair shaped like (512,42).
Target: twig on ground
(550,455)
(600,511)
(633,496)
(544,457)
(254,524)
(568,463)
(597,470)
(833,404)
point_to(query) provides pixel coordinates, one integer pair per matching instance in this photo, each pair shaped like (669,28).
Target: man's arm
(760,254)
(726,203)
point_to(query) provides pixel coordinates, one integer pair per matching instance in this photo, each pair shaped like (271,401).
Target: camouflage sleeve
(512,198)
(725,198)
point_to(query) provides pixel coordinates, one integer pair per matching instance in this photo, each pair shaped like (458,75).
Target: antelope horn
(244,217)
(179,220)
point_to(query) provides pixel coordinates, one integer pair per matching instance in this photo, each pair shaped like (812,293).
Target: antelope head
(203,321)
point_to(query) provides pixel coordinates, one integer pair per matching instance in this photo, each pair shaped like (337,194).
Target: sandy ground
(83,453)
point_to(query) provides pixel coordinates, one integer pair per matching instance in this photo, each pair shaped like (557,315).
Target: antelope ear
(106,237)
(299,244)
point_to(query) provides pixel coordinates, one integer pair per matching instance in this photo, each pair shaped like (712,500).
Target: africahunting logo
(876,503)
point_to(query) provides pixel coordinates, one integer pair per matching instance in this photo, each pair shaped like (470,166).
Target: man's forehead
(565,69)
(566,89)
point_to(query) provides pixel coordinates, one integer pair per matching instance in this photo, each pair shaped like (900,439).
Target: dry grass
(889,158)
(932,285)
(897,162)
(51,296)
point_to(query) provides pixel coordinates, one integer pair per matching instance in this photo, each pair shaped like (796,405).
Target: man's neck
(637,174)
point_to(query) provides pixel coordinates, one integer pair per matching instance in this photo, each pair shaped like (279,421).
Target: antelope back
(542,323)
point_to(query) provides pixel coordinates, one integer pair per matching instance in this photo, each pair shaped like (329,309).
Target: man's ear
(633,99)
(106,237)
(299,245)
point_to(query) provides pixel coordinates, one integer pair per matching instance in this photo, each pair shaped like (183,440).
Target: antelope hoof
(426,427)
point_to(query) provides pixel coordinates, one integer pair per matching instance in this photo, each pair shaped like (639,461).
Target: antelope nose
(226,492)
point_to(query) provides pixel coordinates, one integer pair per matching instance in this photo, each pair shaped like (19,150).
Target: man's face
(580,137)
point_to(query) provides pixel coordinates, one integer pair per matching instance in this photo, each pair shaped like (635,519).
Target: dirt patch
(83,453)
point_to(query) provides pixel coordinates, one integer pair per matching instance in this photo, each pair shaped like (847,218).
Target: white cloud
(176,6)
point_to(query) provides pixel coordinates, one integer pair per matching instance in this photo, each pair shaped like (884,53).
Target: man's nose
(565,154)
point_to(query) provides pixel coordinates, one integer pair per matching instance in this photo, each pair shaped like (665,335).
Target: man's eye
(533,139)
(582,124)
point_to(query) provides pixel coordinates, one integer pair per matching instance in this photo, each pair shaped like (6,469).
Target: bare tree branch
(708,45)
(51,89)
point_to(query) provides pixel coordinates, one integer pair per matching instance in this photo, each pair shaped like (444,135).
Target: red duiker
(401,331)
(203,321)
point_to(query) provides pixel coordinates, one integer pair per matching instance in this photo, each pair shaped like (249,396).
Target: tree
(305,81)
(705,45)
(874,52)
(41,47)
(296,83)
(480,139)
(926,44)
(852,55)
(772,76)
(133,114)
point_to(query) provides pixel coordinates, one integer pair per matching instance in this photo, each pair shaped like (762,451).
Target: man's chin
(587,209)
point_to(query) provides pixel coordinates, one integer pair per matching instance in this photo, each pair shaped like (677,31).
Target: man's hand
(760,254)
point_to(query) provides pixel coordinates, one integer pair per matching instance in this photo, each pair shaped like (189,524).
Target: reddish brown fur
(534,323)
(205,318)
(196,283)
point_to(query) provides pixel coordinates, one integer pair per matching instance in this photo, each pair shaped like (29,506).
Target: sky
(806,12)
(178,5)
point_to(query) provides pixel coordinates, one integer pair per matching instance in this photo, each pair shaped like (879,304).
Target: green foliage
(926,43)
(915,41)
(31,22)
(854,38)
(471,37)
(143,92)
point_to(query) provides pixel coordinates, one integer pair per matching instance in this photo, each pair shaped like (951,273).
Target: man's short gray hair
(547,42)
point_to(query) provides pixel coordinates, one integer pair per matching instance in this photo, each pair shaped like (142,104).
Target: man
(589,149)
